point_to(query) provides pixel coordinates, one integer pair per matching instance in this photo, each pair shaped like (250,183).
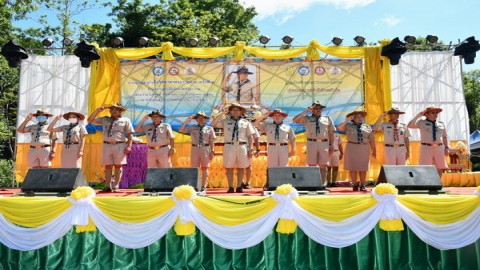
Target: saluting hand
(190,118)
(29,116)
(59,117)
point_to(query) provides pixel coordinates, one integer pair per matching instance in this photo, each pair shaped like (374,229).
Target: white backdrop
(56,83)
(423,79)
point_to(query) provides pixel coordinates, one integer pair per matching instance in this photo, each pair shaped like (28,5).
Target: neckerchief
(235,130)
(395,131)
(317,125)
(240,84)
(277,131)
(359,132)
(69,135)
(434,129)
(200,135)
(39,131)
(109,133)
(154,135)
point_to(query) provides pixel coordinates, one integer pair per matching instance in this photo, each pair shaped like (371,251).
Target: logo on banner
(290,71)
(319,70)
(303,71)
(173,71)
(158,71)
(190,71)
(335,71)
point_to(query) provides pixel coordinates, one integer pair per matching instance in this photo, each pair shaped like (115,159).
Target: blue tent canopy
(475,140)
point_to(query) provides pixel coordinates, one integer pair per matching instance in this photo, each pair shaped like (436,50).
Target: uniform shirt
(285,132)
(245,129)
(164,134)
(121,128)
(426,131)
(248,92)
(194,131)
(325,124)
(45,137)
(336,141)
(389,135)
(75,134)
(352,136)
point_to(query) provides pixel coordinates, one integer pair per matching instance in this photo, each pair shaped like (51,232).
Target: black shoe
(230,190)
(203,189)
(333,184)
(239,190)
(363,188)
(355,188)
(246,186)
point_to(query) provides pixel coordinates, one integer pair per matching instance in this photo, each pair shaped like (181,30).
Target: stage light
(468,50)
(87,53)
(118,42)
(193,42)
(287,39)
(264,39)
(394,51)
(359,40)
(432,39)
(337,41)
(67,41)
(143,42)
(14,54)
(213,41)
(47,42)
(410,39)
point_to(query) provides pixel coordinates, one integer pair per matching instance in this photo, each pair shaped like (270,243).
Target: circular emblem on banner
(158,71)
(319,70)
(190,70)
(290,71)
(303,71)
(335,71)
(174,71)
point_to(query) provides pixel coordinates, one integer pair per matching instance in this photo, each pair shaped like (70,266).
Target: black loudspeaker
(302,178)
(166,179)
(420,177)
(59,180)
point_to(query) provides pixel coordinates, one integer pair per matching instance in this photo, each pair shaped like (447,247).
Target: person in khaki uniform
(73,139)
(357,151)
(319,132)
(395,134)
(43,144)
(238,139)
(243,90)
(160,140)
(279,136)
(433,138)
(203,144)
(115,148)
(334,163)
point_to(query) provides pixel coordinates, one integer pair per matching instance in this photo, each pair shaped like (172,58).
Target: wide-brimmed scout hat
(236,105)
(243,69)
(156,112)
(432,109)
(202,114)
(79,115)
(278,111)
(364,113)
(42,112)
(395,110)
(117,106)
(318,104)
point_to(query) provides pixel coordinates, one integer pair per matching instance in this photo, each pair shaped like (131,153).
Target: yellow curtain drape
(32,212)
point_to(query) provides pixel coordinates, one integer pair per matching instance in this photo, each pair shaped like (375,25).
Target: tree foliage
(471,82)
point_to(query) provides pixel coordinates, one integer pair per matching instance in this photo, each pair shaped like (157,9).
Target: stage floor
(10,192)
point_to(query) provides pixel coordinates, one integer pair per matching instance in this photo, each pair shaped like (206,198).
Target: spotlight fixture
(410,39)
(337,41)
(47,42)
(87,53)
(67,41)
(213,41)
(359,40)
(287,39)
(468,50)
(432,39)
(118,42)
(394,51)
(193,42)
(143,42)
(14,54)
(264,39)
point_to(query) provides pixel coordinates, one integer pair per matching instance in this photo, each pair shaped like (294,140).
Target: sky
(305,20)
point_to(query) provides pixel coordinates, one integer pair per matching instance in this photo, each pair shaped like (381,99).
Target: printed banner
(180,89)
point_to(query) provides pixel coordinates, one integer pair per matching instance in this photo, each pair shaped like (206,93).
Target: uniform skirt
(357,157)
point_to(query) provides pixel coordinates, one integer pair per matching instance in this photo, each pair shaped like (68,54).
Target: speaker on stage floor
(421,177)
(59,180)
(166,179)
(302,178)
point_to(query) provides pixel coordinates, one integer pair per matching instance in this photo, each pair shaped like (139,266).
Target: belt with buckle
(112,142)
(357,142)
(200,145)
(394,145)
(157,147)
(39,146)
(278,144)
(432,144)
(317,140)
(71,143)
(236,143)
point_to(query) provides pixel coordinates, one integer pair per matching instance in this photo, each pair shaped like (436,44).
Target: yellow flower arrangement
(284,189)
(183,192)
(82,193)
(478,188)
(383,188)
